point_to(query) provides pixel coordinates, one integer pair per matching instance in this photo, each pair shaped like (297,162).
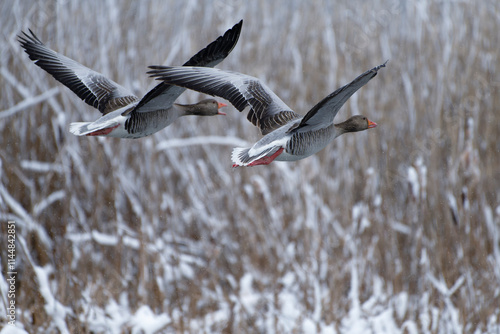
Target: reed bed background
(392,230)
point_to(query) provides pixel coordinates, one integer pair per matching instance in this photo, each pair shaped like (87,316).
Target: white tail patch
(82,129)
(243,157)
(240,157)
(79,128)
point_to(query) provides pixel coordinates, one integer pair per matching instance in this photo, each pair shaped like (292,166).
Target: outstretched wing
(267,110)
(164,94)
(323,113)
(92,87)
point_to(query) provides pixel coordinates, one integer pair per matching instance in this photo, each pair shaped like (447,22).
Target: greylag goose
(123,114)
(287,135)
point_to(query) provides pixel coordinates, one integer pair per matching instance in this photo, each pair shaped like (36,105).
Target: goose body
(288,136)
(119,124)
(124,115)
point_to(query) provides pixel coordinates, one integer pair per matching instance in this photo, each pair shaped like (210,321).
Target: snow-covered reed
(392,230)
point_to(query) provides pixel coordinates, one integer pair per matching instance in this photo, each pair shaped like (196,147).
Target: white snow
(54,309)
(47,201)
(285,248)
(201,140)
(29,102)
(13,329)
(145,321)
(414,182)
(248,297)
(41,167)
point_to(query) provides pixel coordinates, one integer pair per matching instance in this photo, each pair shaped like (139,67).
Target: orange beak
(371,124)
(220,105)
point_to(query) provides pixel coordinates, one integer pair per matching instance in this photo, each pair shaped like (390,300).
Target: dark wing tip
(216,51)
(31,44)
(375,69)
(26,39)
(158,71)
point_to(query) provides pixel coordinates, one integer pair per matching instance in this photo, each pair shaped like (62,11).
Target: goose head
(355,124)
(207,107)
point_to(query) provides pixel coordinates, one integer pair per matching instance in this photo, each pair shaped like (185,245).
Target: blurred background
(391,230)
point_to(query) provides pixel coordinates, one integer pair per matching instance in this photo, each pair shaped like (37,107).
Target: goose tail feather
(240,157)
(244,157)
(79,128)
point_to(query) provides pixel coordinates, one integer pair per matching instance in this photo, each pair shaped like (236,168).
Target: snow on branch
(41,167)
(25,217)
(29,102)
(201,140)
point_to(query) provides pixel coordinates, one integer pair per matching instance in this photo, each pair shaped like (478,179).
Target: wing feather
(268,111)
(323,113)
(163,95)
(92,87)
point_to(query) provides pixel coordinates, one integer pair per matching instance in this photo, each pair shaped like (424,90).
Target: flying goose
(124,115)
(287,135)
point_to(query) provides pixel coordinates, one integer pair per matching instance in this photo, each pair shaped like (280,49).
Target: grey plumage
(299,136)
(135,117)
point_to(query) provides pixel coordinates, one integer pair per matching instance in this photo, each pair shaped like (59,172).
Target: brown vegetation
(405,217)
